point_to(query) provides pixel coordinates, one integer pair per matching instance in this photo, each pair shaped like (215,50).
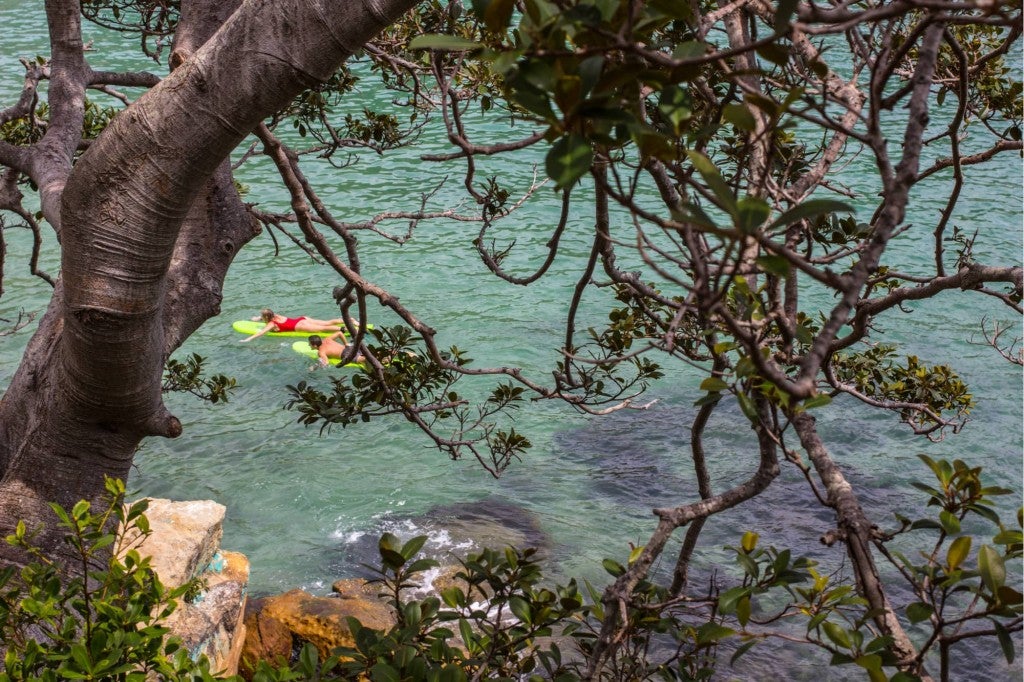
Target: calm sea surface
(306,508)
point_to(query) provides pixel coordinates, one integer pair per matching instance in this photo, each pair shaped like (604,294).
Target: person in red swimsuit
(280,323)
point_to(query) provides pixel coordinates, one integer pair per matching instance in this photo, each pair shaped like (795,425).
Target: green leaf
(708,399)
(990,565)
(728,600)
(919,611)
(81,655)
(382,672)
(535,102)
(750,567)
(568,92)
(713,632)
(783,13)
(568,159)
(590,72)
(613,567)
(740,116)
(468,638)
(391,558)
(1005,641)
(715,181)
(414,545)
(421,565)
(713,384)
(104,540)
(453,596)
(389,541)
(494,13)
(751,212)
(442,43)
(80,509)
(452,673)
(837,634)
(742,649)
(811,209)
(309,659)
(925,524)
(748,407)
(743,610)
(521,609)
(819,400)
(950,523)
(958,551)
(775,53)
(774,265)
(873,664)
(691,49)
(676,106)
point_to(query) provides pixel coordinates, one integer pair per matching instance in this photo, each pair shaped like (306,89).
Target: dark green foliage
(25,131)
(188,377)
(29,130)
(641,104)
(911,387)
(101,619)
(408,383)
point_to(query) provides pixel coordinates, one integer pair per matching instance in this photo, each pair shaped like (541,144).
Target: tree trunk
(88,389)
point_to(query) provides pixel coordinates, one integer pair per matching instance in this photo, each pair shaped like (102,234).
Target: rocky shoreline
(237,631)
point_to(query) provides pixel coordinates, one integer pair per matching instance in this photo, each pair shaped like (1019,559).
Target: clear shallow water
(302,506)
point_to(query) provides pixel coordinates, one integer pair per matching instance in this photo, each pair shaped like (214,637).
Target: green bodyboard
(302,348)
(248,327)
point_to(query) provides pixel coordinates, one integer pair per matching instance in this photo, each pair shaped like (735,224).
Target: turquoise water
(305,508)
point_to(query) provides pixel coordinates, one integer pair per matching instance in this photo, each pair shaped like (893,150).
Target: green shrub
(101,619)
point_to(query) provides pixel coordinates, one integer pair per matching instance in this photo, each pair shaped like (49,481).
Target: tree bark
(89,387)
(856,531)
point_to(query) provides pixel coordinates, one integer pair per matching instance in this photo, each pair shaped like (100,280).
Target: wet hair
(267,314)
(315,341)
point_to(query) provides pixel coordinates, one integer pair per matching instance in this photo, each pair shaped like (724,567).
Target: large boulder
(185,537)
(185,544)
(279,625)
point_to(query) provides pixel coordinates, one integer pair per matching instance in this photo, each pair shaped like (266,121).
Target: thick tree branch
(969,278)
(126,79)
(897,189)
(856,530)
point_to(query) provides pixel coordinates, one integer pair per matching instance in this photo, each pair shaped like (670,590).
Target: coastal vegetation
(701,141)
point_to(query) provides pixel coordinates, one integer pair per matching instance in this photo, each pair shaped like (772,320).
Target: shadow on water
(638,461)
(452,531)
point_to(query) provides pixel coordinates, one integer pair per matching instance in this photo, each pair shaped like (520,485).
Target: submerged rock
(452,531)
(488,523)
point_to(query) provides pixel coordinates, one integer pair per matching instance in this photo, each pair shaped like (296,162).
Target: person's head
(266,314)
(315,342)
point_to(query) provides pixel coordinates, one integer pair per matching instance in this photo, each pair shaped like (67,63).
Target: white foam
(348,535)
